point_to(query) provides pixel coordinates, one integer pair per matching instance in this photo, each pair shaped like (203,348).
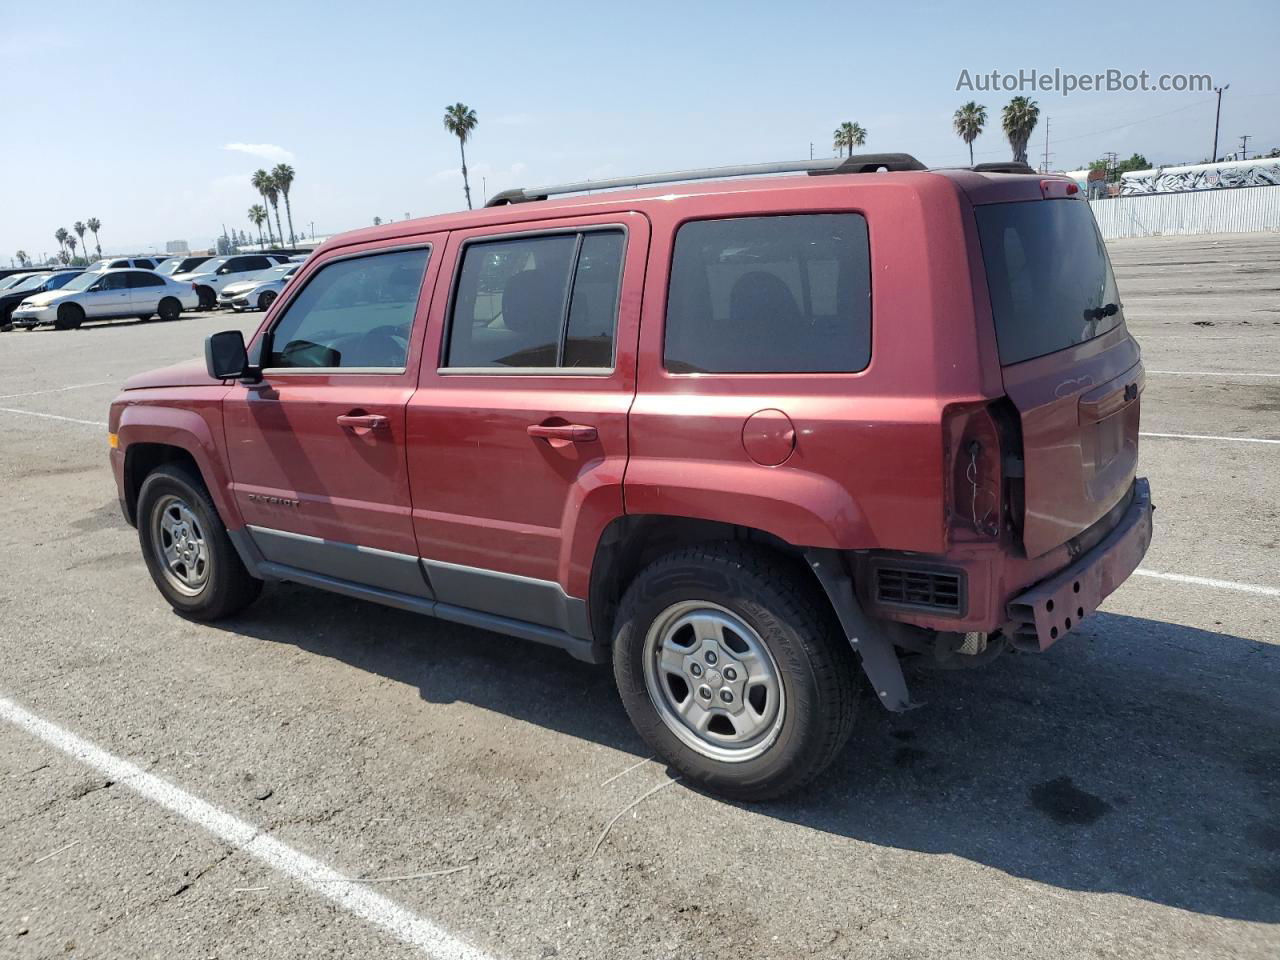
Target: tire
(208,299)
(205,578)
(765,621)
(70,316)
(169,309)
(265,300)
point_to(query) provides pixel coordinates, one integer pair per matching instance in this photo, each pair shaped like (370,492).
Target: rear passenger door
(145,290)
(518,431)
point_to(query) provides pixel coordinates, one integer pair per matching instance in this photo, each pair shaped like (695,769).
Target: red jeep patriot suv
(746,438)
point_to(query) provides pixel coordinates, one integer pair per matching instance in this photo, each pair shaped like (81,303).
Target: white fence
(1227,210)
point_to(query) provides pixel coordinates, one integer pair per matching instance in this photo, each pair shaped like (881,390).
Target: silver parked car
(106,295)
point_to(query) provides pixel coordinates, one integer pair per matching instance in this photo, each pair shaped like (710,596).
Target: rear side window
(138,280)
(546,301)
(352,313)
(1048,275)
(779,294)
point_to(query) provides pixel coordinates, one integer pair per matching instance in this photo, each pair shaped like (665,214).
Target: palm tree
(849,135)
(283,176)
(93,223)
(460,120)
(23,259)
(61,236)
(261,180)
(273,197)
(256,216)
(969,121)
(71,245)
(79,228)
(377,221)
(1019,119)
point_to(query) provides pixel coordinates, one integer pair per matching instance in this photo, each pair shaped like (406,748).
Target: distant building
(176,246)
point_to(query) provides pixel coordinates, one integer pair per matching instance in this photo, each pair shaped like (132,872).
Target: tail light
(975,498)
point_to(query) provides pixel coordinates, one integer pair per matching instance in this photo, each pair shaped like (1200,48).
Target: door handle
(362,421)
(572,432)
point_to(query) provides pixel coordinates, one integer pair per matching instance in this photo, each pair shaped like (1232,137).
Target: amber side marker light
(113,441)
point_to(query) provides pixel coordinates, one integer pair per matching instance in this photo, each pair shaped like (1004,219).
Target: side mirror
(95,288)
(224,355)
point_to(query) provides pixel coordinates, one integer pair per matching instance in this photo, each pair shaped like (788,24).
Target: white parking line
(1226,374)
(311,873)
(37,393)
(1209,582)
(53,416)
(1202,436)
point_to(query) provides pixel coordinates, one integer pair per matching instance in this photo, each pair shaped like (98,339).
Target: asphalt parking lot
(1118,796)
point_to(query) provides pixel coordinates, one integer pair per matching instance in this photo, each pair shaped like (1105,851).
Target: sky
(152,117)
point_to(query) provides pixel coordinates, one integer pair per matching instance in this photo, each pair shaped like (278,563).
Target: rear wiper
(1106,310)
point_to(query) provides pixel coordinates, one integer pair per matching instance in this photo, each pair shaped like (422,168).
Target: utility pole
(1047,156)
(1217,117)
(1244,145)
(810,149)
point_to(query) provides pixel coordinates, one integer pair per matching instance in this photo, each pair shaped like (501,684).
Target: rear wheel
(170,309)
(186,548)
(70,316)
(730,665)
(266,299)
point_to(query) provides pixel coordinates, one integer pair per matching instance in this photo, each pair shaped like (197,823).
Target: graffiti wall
(1202,176)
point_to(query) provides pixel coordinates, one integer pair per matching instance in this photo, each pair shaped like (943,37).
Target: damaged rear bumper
(1044,613)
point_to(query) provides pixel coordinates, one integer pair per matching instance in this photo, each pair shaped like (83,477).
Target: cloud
(265,151)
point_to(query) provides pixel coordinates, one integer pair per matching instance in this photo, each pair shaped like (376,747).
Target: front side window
(353,313)
(115,281)
(777,294)
(544,302)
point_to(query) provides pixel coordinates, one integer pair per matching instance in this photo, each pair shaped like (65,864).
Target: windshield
(169,267)
(13,281)
(30,283)
(83,281)
(1048,275)
(209,265)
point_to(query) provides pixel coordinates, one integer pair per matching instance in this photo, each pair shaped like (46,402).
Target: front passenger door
(317,449)
(110,296)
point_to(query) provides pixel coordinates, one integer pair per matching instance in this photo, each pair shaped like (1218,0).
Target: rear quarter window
(1048,275)
(776,294)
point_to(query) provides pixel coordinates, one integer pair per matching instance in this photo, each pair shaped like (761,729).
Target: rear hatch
(1070,366)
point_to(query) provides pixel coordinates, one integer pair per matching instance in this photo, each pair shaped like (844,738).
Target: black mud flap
(873,646)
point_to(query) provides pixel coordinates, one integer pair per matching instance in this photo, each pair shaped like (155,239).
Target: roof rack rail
(1002,166)
(859,163)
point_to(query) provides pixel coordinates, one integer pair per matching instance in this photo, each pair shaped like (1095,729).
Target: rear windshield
(1048,274)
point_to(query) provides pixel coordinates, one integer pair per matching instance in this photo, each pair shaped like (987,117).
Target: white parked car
(259,291)
(121,263)
(213,275)
(102,296)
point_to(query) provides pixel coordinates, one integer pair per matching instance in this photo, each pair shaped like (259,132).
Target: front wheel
(70,316)
(265,300)
(730,665)
(208,299)
(187,550)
